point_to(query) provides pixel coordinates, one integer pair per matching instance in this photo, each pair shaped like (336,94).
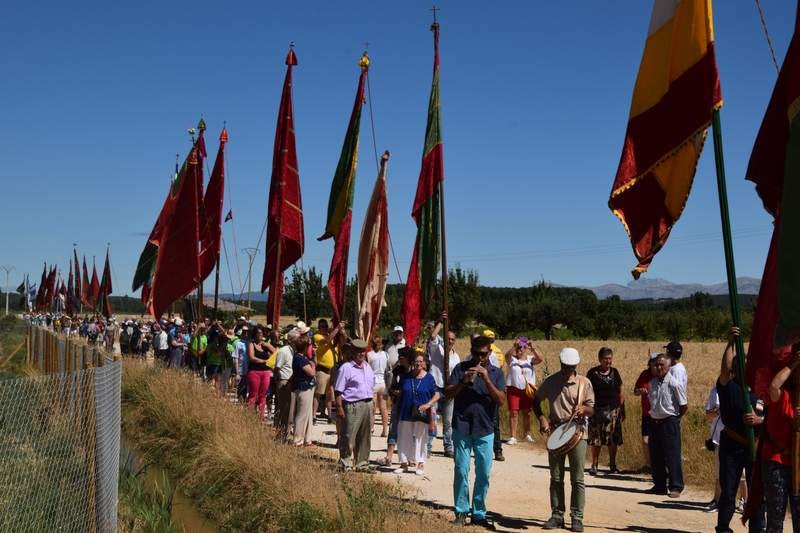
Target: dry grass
(227,460)
(702,361)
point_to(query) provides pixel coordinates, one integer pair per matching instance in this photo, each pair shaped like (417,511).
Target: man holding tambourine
(570,400)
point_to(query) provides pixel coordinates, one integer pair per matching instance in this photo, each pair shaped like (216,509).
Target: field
(702,361)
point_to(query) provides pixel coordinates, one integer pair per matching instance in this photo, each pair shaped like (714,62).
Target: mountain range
(641,289)
(661,289)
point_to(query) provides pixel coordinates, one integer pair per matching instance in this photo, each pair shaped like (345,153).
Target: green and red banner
(340,202)
(422,274)
(85,288)
(285,232)
(774,167)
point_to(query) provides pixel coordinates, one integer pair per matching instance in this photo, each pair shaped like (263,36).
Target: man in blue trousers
(478,389)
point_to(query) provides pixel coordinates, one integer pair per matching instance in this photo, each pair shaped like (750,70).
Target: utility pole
(251,252)
(7,270)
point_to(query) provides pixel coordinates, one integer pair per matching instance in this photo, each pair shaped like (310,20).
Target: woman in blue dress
(418,395)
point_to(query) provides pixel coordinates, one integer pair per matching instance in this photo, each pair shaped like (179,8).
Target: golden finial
(364,61)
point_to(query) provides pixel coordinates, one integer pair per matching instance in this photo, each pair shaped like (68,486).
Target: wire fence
(60,438)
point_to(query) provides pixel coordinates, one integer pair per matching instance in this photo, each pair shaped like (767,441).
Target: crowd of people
(295,377)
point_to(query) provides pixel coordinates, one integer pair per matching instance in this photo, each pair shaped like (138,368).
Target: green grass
(141,510)
(12,347)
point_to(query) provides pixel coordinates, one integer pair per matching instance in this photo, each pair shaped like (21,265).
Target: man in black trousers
(667,405)
(734,454)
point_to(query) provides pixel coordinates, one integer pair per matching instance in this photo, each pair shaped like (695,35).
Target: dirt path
(519,498)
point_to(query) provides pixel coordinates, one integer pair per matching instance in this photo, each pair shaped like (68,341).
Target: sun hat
(302,328)
(569,357)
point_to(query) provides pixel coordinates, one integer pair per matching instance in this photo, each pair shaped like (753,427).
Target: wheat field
(702,360)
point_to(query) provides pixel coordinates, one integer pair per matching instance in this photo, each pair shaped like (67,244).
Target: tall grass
(140,509)
(229,463)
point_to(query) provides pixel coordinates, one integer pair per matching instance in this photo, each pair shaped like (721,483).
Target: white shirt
(391,352)
(436,355)
(712,404)
(378,361)
(161,340)
(283,362)
(678,371)
(520,373)
(666,397)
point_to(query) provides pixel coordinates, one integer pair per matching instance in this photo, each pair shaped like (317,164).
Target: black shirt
(606,387)
(474,407)
(731,405)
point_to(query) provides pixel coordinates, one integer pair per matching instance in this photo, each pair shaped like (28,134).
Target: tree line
(541,311)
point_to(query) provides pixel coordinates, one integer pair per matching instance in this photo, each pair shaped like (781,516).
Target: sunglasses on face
(481,354)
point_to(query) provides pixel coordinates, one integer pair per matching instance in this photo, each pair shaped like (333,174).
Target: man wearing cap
(496,358)
(282,370)
(477,389)
(354,387)
(397,341)
(570,396)
(678,371)
(667,404)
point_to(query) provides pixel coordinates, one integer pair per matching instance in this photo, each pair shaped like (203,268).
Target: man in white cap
(282,372)
(397,341)
(569,396)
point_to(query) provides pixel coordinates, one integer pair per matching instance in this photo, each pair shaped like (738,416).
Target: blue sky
(96,98)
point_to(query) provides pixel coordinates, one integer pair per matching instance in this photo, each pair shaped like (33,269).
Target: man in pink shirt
(354,387)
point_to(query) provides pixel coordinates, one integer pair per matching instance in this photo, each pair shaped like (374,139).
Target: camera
(710,446)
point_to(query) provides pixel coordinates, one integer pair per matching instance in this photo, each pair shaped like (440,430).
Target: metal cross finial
(434,9)
(291,45)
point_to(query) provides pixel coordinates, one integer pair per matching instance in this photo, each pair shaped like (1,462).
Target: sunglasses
(481,354)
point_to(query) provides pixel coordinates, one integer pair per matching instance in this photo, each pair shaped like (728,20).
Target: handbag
(416,414)
(530,389)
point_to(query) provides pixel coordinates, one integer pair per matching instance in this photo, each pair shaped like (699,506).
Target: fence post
(91,431)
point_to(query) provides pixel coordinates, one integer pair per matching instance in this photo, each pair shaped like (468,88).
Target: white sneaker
(528,438)
(512,441)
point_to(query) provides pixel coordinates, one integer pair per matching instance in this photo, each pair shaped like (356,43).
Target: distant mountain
(661,289)
(255,297)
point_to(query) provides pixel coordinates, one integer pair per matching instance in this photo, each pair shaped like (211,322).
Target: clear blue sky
(96,98)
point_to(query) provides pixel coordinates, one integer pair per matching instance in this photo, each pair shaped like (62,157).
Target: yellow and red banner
(677,90)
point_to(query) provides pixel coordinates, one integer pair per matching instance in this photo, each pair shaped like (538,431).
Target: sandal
(612,469)
(593,470)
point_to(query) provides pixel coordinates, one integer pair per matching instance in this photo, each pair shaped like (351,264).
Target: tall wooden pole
(275,289)
(733,292)
(216,291)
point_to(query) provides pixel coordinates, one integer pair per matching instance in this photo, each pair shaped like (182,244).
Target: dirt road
(519,499)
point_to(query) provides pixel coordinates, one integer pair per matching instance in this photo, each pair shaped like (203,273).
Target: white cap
(569,357)
(398,328)
(301,327)
(242,318)
(178,322)
(654,355)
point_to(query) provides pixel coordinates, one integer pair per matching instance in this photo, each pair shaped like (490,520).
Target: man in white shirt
(668,404)
(435,354)
(397,341)
(678,371)
(160,345)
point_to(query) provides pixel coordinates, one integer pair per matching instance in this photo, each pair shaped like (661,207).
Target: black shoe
(613,469)
(554,523)
(498,456)
(593,471)
(577,525)
(656,490)
(485,522)
(449,454)
(460,519)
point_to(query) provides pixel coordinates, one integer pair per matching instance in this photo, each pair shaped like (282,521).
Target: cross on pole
(434,9)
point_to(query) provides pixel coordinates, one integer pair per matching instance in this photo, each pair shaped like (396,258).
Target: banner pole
(733,293)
